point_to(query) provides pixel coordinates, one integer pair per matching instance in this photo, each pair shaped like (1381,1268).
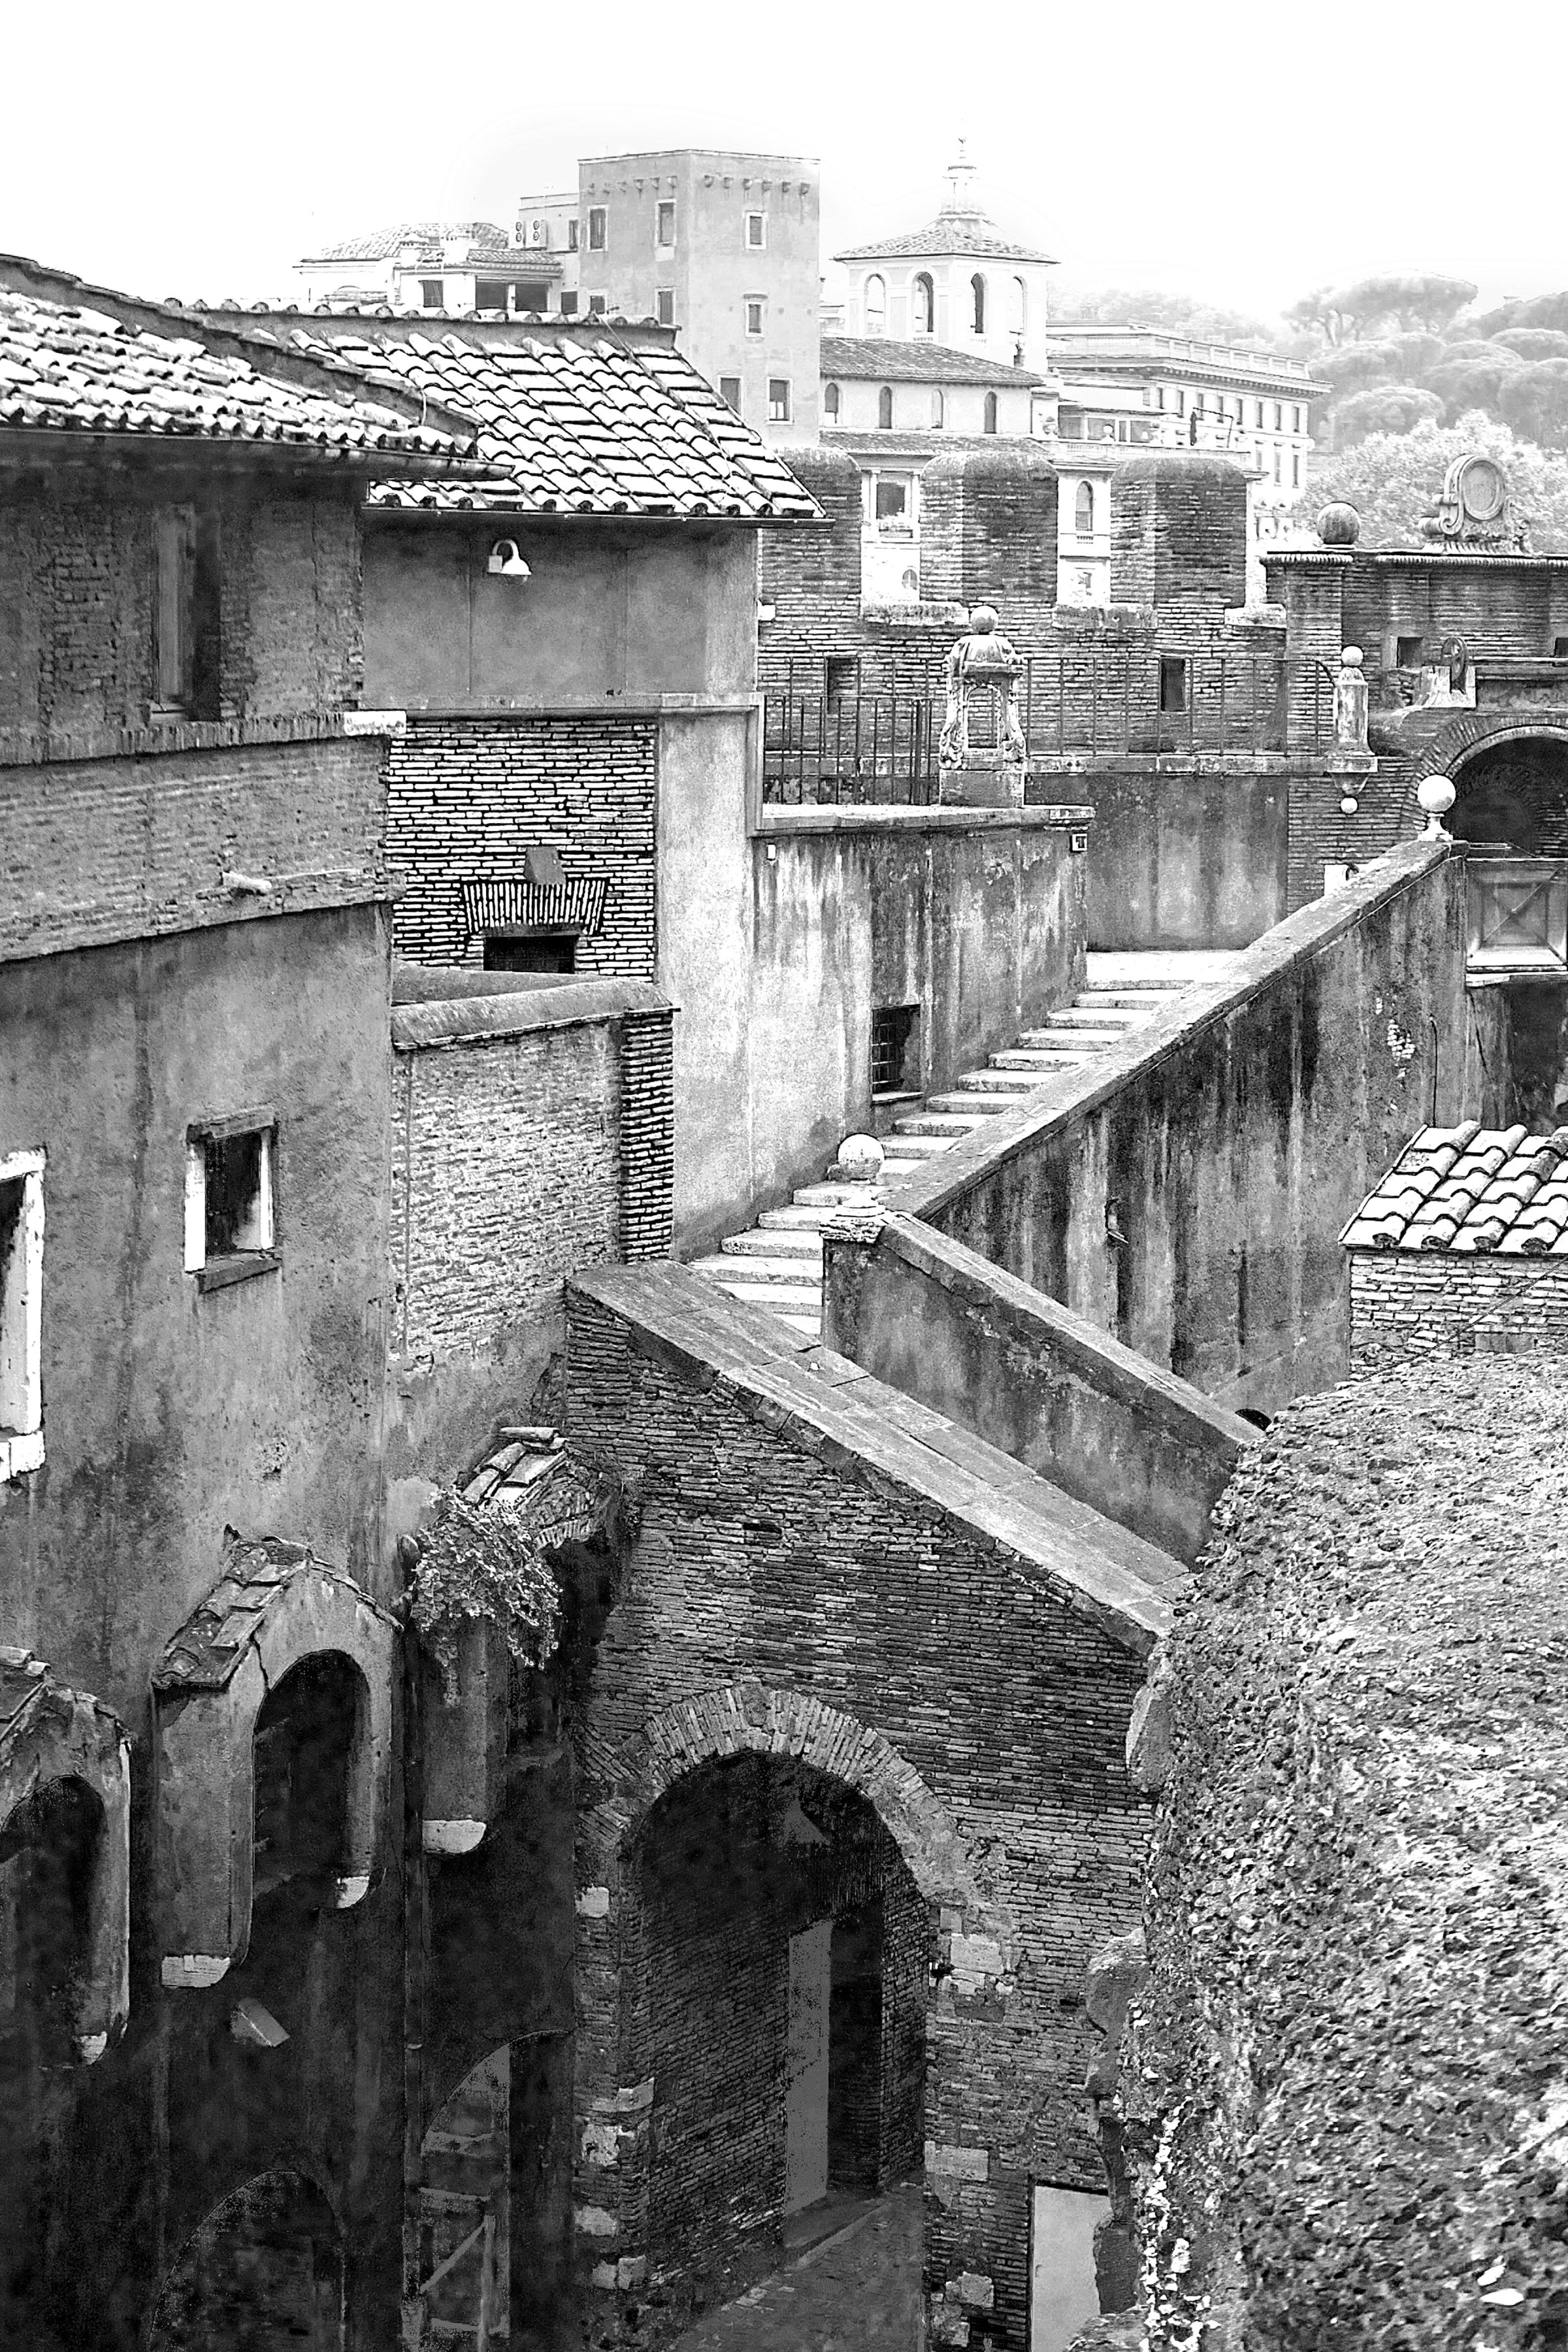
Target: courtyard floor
(856,2291)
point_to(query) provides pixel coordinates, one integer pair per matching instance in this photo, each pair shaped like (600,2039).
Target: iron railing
(847,746)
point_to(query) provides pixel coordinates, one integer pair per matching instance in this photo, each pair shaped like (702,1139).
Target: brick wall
(468,798)
(988,529)
(519,1154)
(1408,1303)
(128,848)
(1178,534)
(75,604)
(764,1554)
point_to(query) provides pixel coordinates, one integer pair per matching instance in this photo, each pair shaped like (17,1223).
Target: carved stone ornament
(1476,510)
(984,659)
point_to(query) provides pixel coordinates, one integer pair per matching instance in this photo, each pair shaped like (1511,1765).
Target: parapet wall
(937,1322)
(1186,1191)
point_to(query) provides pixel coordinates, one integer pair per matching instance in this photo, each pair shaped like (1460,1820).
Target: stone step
(1006,1083)
(919,1146)
(800,1217)
(1146,998)
(895,1171)
(801,1271)
(1047,1059)
(1074,1040)
(777,1241)
(827,1196)
(810,1324)
(784,1299)
(988,1101)
(937,1122)
(1081,1015)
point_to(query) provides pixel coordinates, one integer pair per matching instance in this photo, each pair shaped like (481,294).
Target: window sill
(221,1272)
(20,1451)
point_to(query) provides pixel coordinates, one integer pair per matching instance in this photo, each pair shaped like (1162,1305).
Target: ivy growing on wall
(481,1565)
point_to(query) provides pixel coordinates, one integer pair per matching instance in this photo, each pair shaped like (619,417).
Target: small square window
(490,294)
(841,675)
(756,231)
(666,228)
(1408,652)
(730,392)
(432,292)
(546,948)
(756,308)
(1172,682)
(667,306)
(597,305)
(778,400)
(596,228)
(569,304)
(1559,649)
(893,1040)
(21,1313)
(230,1192)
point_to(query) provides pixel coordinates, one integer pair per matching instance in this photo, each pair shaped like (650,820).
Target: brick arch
(274,1606)
(51,1733)
(223,2267)
(1462,738)
(754,1718)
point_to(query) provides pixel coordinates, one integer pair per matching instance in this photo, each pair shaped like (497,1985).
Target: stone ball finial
(1338,525)
(860,1159)
(1435,795)
(983,620)
(1351,657)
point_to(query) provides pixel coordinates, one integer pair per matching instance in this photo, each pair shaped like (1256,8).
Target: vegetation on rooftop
(476,1566)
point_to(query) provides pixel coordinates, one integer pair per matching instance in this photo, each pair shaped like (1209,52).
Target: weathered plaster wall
(607,614)
(76,602)
(937,1322)
(168,1413)
(1233,1139)
(1183,854)
(816,1574)
(975,916)
(1345,2092)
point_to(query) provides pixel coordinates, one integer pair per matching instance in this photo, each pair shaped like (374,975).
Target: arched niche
(274,1607)
(265,2268)
(65,1765)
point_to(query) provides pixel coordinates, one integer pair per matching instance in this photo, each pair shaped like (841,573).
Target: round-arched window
(885,409)
(875,304)
(991,412)
(1083,508)
(924,305)
(1017,308)
(938,409)
(830,403)
(977,295)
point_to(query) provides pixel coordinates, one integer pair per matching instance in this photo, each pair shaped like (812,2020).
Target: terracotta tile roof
(29,1690)
(483,240)
(948,233)
(1471,1189)
(579,422)
(877,357)
(209,1645)
(65,368)
(535,1471)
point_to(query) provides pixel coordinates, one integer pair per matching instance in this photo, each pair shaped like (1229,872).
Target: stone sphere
(1338,525)
(860,1159)
(1348,807)
(1351,657)
(1435,795)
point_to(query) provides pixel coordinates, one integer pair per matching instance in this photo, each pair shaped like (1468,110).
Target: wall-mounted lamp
(506,559)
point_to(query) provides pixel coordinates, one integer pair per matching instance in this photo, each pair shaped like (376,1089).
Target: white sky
(1242,154)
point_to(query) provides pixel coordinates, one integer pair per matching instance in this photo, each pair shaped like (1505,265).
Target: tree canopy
(1392,478)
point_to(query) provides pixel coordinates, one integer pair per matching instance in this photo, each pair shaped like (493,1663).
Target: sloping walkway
(858,2291)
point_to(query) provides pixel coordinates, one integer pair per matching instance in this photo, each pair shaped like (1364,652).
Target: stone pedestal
(983,785)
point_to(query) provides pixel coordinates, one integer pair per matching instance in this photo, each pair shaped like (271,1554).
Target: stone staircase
(777,1263)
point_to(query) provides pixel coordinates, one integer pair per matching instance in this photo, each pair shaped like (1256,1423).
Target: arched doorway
(263,2273)
(1513,794)
(465,2208)
(786,1956)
